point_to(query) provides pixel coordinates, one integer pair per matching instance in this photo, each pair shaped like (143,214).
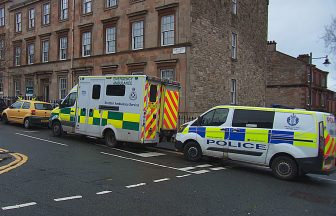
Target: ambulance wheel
(110,139)
(26,123)
(192,151)
(56,129)
(284,168)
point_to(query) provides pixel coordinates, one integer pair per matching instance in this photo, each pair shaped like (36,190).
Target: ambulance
(134,108)
(291,142)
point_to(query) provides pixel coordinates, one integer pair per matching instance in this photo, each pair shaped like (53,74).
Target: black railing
(187,117)
(11,99)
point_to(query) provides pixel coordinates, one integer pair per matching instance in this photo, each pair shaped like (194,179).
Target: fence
(11,99)
(186,117)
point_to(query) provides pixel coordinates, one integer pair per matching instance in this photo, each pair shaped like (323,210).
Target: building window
(110,40)
(62,87)
(18,22)
(45,51)
(2,16)
(86,44)
(137,35)
(234,6)
(31,18)
(234,46)
(1,85)
(30,53)
(167,30)
(29,87)
(233,92)
(87,6)
(17,56)
(63,9)
(63,46)
(2,49)
(17,87)
(111,3)
(46,14)
(168,74)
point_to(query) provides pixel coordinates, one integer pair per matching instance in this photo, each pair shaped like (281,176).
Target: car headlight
(182,127)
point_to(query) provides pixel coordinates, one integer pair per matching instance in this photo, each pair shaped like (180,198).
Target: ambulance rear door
(329,133)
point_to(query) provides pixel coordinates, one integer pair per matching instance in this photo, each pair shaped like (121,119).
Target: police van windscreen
(41,106)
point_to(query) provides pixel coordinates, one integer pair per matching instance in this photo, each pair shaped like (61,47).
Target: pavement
(72,175)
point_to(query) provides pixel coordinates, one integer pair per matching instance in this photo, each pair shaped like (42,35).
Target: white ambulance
(289,141)
(134,108)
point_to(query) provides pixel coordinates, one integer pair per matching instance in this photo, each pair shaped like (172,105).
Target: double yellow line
(20,159)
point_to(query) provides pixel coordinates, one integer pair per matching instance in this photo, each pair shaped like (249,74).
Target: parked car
(28,113)
(3,106)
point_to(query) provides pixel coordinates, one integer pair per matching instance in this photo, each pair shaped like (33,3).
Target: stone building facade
(211,47)
(288,82)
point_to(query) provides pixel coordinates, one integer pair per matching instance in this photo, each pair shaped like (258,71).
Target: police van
(134,108)
(289,141)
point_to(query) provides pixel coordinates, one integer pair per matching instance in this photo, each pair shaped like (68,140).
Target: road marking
(148,154)
(332,180)
(30,131)
(136,185)
(20,159)
(201,171)
(103,192)
(67,198)
(164,150)
(186,168)
(19,206)
(161,180)
(146,162)
(182,176)
(204,165)
(218,168)
(57,143)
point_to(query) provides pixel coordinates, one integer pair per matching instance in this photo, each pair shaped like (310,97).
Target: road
(73,175)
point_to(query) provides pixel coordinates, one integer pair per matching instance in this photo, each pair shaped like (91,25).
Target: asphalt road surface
(71,175)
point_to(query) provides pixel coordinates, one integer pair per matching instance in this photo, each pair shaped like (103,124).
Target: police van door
(248,140)
(210,131)
(91,96)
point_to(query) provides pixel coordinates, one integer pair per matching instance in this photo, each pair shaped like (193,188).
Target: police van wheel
(56,129)
(110,139)
(285,168)
(192,151)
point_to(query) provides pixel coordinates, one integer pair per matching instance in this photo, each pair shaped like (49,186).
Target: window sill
(234,59)
(87,14)
(45,25)
(110,8)
(63,20)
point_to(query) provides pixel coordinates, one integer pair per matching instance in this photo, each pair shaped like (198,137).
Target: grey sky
(298,25)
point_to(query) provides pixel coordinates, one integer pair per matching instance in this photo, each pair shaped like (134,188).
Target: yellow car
(28,113)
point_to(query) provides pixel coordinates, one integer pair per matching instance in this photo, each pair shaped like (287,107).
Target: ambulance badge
(133,95)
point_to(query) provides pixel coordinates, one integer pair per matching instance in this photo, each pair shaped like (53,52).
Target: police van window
(26,105)
(215,117)
(70,100)
(152,93)
(96,91)
(253,119)
(115,90)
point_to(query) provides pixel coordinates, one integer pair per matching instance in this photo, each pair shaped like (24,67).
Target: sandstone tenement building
(216,49)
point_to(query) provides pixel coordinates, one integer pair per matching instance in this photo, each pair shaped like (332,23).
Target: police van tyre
(56,129)
(192,151)
(110,139)
(284,168)
(26,123)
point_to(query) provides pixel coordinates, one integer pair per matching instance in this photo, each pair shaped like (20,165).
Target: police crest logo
(293,120)
(133,95)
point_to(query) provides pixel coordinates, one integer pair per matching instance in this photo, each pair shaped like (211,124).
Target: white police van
(290,141)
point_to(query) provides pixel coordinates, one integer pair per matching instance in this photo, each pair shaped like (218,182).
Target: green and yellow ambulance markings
(19,160)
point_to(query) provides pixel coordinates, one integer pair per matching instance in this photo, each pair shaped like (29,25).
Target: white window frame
(17,60)
(62,87)
(17,87)
(46,14)
(233,92)
(234,38)
(138,35)
(234,7)
(111,3)
(167,29)
(18,22)
(2,16)
(30,53)
(2,49)
(164,74)
(63,46)
(110,41)
(45,51)
(86,43)
(31,18)
(64,9)
(87,6)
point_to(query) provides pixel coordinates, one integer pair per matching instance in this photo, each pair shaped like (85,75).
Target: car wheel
(5,119)
(26,123)
(110,139)
(192,151)
(284,168)
(56,129)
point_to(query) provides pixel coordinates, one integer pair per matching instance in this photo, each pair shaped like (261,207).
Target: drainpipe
(72,40)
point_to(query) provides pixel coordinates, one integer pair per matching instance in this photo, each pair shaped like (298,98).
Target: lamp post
(326,63)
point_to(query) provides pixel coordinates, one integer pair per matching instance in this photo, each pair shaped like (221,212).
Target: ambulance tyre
(192,151)
(110,139)
(284,168)
(56,128)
